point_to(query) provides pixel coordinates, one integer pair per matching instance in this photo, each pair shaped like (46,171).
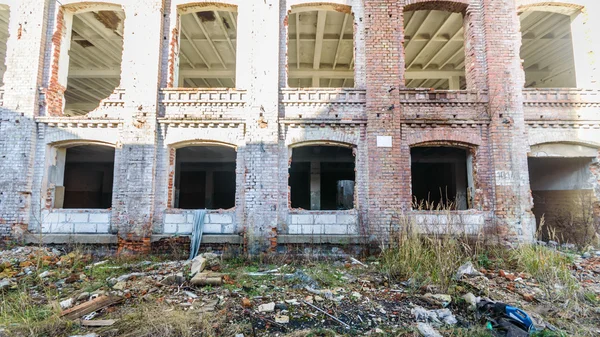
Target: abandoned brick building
(296,121)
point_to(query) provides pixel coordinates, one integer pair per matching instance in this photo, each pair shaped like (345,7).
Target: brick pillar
(135,159)
(385,69)
(259,21)
(23,77)
(506,78)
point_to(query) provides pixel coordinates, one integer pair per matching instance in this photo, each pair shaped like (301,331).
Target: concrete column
(507,128)
(24,61)
(315,185)
(135,160)
(209,189)
(454,82)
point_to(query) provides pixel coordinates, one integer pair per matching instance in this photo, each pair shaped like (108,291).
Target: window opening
(95,54)
(322,178)
(547,50)
(441,178)
(207,54)
(434,50)
(205,177)
(320,48)
(88,177)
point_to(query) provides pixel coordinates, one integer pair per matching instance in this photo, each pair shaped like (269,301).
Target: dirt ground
(279,296)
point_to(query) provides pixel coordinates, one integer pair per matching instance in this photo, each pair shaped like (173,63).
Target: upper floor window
(434,50)
(207,51)
(90,60)
(547,47)
(320,47)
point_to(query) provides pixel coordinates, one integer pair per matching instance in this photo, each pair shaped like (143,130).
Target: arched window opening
(434,50)
(547,49)
(322,178)
(320,48)
(95,54)
(562,187)
(205,177)
(84,177)
(442,178)
(4,17)
(207,52)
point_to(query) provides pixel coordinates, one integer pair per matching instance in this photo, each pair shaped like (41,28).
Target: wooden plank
(90,306)
(98,322)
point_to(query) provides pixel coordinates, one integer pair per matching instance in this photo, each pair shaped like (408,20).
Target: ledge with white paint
(177,221)
(561,97)
(75,221)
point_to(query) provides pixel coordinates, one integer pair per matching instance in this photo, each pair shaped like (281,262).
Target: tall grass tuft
(424,259)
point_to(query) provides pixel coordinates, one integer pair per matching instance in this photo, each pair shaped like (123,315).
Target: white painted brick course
(325,219)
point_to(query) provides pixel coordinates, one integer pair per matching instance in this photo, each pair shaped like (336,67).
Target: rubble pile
(349,297)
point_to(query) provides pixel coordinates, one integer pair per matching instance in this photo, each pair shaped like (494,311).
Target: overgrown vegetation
(425,259)
(550,267)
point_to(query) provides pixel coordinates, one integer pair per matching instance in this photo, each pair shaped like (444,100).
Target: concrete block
(175,218)
(99,217)
(170,228)
(62,227)
(212,228)
(190,217)
(294,229)
(312,229)
(302,219)
(103,228)
(347,219)
(85,228)
(220,218)
(353,229)
(50,217)
(325,219)
(229,229)
(77,217)
(46,227)
(336,229)
(184,228)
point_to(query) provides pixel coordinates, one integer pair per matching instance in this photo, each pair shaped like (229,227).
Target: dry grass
(425,259)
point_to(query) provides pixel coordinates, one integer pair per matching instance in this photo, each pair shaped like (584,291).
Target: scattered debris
(90,306)
(427,330)
(466,269)
(100,322)
(268,307)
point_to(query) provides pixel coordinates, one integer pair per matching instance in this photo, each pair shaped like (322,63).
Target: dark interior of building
(563,196)
(205,177)
(322,178)
(439,178)
(88,179)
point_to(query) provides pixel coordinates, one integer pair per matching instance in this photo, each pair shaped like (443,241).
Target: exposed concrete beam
(442,26)
(407,44)
(198,52)
(321,19)
(297,41)
(95,73)
(444,47)
(212,44)
(222,25)
(339,44)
